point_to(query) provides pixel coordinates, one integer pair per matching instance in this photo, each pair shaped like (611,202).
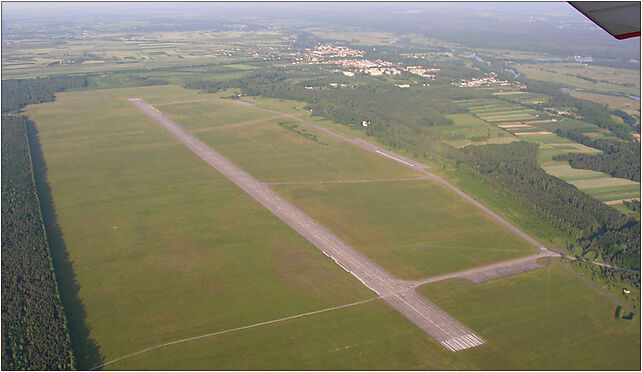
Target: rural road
(399,294)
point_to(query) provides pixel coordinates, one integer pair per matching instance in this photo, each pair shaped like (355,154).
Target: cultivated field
(544,319)
(470,130)
(161,246)
(560,75)
(273,153)
(600,185)
(628,105)
(413,229)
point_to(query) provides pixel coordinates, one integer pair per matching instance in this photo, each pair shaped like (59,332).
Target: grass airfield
(164,248)
(413,229)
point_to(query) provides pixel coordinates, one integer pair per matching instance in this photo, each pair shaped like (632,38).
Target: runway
(399,294)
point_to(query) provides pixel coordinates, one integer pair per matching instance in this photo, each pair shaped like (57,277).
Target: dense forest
(34,329)
(512,170)
(16,94)
(619,159)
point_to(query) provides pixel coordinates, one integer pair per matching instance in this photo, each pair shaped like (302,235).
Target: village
(337,55)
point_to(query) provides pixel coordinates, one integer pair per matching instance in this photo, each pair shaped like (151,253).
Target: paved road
(493,271)
(399,294)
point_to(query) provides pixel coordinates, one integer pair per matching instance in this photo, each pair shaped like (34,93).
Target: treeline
(512,170)
(18,93)
(34,330)
(619,159)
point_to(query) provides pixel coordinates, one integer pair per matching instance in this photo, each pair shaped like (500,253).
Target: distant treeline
(34,330)
(16,94)
(619,159)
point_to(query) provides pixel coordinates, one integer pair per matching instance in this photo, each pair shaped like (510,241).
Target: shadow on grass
(86,350)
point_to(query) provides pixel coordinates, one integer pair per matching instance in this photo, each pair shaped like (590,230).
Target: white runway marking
(392,157)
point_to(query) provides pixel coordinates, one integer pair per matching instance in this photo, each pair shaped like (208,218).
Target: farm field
(600,185)
(412,229)
(470,130)
(495,110)
(628,105)
(197,115)
(128,52)
(160,246)
(552,144)
(551,74)
(615,76)
(273,153)
(545,319)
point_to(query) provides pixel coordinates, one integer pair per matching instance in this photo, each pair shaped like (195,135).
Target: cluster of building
(488,80)
(352,61)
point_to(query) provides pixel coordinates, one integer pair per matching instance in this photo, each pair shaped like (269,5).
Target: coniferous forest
(34,331)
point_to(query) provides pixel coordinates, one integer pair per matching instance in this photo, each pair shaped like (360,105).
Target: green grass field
(600,185)
(413,229)
(275,154)
(162,246)
(564,171)
(545,319)
(196,115)
(369,336)
(468,127)
(547,73)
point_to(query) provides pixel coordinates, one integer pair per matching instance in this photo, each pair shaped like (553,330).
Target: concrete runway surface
(399,294)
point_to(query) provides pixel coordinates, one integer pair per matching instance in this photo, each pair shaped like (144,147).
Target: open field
(552,144)
(196,115)
(564,171)
(600,185)
(628,105)
(273,153)
(544,319)
(368,336)
(470,130)
(126,52)
(550,73)
(496,110)
(543,231)
(161,246)
(412,229)
(615,76)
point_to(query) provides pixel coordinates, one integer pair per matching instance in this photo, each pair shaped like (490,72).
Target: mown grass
(413,229)
(275,154)
(196,115)
(545,319)
(368,336)
(543,231)
(162,246)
